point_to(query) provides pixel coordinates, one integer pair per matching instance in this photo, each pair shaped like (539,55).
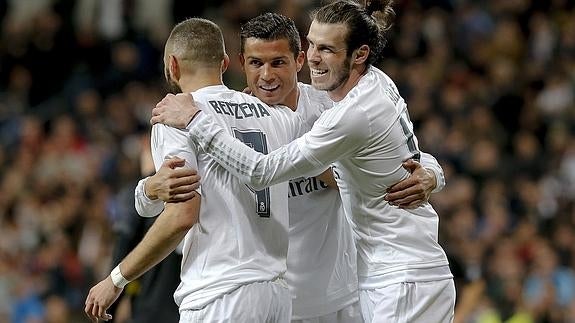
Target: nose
(313,55)
(267,73)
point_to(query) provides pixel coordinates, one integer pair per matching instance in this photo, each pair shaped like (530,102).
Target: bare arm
(162,238)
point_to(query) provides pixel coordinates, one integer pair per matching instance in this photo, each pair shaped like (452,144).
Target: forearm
(155,246)
(253,168)
(162,238)
(429,162)
(144,205)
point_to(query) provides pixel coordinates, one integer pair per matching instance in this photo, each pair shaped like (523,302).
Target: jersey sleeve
(334,135)
(429,162)
(170,142)
(312,152)
(144,206)
(165,142)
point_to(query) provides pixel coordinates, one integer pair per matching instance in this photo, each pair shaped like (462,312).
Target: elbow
(184,225)
(186,220)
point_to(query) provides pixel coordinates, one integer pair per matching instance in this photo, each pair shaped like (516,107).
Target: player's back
(242,235)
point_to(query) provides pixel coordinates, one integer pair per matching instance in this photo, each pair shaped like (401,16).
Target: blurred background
(490,87)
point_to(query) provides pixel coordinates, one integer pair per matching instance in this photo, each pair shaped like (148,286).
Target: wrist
(117,278)
(148,192)
(433,177)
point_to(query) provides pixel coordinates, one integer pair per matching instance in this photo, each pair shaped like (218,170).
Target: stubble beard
(171,85)
(340,78)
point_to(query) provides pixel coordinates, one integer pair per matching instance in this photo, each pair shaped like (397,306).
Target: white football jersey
(367,136)
(322,258)
(242,234)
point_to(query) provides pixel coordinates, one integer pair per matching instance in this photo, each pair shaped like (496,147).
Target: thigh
(348,314)
(434,302)
(409,302)
(265,302)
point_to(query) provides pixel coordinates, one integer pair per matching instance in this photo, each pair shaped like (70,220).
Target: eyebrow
(273,58)
(330,47)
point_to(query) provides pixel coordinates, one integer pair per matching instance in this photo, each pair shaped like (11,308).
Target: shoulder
(374,90)
(346,119)
(313,99)
(162,133)
(309,90)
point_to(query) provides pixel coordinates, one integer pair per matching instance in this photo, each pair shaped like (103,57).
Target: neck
(200,78)
(292,98)
(355,75)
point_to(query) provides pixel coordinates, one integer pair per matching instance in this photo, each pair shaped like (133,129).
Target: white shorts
(262,302)
(348,314)
(423,302)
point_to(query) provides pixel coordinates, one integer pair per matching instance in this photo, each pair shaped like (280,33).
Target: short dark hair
(271,26)
(198,40)
(366,25)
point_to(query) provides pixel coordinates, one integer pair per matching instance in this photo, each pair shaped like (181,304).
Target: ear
(225,63)
(174,67)
(361,54)
(300,60)
(242,61)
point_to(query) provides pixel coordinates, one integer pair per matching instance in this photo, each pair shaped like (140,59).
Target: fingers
(157,112)
(411,165)
(184,172)
(416,199)
(402,186)
(183,192)
(93,314)
(180,179)
(184,187)
(413,205)
(160,107)
(102,315)
(194,186)
(400,196)
(88,311)
(91,308)
(181,183)
(96,312)
(174,162)
(156,119)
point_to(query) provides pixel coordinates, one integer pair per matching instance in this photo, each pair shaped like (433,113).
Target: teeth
(269,87)
(316,72)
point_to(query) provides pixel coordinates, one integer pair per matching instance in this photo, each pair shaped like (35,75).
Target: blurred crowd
(490,86)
